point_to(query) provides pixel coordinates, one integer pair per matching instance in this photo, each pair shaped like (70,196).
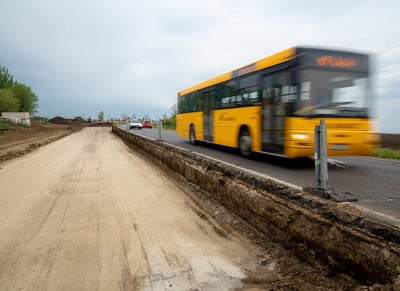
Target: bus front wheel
(245,143)
(192,135)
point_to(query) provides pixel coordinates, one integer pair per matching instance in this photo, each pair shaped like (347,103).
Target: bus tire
(192,135)
(245,143)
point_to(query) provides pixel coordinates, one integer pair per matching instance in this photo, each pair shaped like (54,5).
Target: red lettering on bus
(331,61)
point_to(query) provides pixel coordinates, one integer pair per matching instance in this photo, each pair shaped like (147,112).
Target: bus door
(208,122)
(273,114)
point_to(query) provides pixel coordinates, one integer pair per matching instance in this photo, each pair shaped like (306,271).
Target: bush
(169,123)
(387,153)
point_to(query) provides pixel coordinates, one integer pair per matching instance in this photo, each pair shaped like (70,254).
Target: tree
(8,102)
(170,121)
(6,80)
(124,116)
(174,110)
(100,116)
(27,99)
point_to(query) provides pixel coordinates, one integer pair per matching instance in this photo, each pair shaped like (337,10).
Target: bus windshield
(332,93)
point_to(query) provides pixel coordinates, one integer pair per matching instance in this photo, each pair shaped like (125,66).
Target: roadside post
(320,155)
(159,129)
(321,169)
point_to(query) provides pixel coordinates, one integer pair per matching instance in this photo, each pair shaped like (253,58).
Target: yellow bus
(272,105)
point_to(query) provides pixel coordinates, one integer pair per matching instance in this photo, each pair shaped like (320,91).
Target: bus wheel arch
(244,141)
(192,134)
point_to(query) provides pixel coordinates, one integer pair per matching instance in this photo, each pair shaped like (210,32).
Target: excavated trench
(336,234)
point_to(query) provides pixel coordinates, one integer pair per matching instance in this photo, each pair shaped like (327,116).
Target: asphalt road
(374,182)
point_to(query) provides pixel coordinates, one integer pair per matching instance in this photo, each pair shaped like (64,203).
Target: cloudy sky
(132,57)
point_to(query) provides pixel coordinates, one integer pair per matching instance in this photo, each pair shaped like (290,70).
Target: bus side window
(217,98)
(249,95)
(229,89)
(254,96)
(184,103)
(201,102)
(305,90)
(212,99)
(191,103)
(225,102)
(292,99)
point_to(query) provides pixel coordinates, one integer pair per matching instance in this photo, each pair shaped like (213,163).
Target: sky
(131,57)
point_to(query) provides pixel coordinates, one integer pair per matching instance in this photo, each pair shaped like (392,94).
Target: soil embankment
(21,140)
(390,141)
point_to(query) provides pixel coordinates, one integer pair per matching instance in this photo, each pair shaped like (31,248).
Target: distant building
(17,117)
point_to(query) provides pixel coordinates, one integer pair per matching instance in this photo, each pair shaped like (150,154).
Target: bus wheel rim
(245,144)
(192,137)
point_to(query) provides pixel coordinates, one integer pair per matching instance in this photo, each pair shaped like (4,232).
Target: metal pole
(324,155)
(317,155)
(159,129)
(321,157)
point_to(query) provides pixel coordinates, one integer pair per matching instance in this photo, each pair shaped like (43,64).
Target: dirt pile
(390,141)
(62,120)
(19,140)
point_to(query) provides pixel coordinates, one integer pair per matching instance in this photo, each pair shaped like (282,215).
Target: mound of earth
(62,120)
(19,140)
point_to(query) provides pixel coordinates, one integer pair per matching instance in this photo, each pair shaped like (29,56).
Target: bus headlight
(301,136)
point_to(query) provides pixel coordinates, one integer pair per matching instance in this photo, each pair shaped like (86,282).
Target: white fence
(17,117)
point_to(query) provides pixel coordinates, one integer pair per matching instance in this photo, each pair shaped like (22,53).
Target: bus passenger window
(293,93)
(254,95)
(194,101)
(305,90)
(225,101)
(285,94)
(201,103)
(229,89)
(277,91)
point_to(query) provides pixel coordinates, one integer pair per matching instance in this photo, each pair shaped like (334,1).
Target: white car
(135,124)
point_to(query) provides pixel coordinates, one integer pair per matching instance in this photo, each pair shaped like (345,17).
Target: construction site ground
(87,212)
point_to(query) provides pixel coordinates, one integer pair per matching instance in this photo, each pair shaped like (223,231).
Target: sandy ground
(87,213)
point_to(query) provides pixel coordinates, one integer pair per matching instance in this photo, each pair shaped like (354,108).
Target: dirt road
(87,213)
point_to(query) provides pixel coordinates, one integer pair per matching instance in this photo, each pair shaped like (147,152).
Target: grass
(5,125)
(165,126)
(387,153)
(169,127)
(8,125)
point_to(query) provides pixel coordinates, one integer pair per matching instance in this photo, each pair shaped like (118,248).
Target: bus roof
(269,61)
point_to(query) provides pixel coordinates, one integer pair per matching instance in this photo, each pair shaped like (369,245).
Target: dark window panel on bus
(249,81)
(244,97)
(229,89)
(194,103)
